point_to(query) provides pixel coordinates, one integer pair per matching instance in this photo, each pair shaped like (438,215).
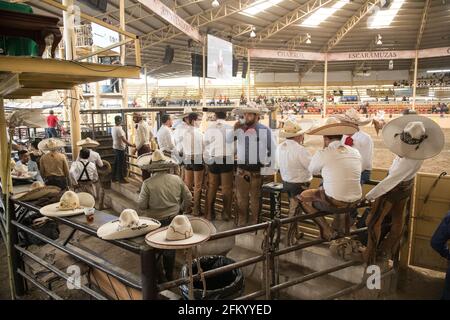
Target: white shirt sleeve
(74,172)
(304,158)
(388,183)
(317,163)
(93,174)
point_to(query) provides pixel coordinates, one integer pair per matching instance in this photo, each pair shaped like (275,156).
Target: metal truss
(292,17)
(423,23)
(342,32)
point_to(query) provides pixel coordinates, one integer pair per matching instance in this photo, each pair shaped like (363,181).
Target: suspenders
(84,171)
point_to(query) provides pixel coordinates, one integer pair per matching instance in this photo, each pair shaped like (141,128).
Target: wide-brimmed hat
(188,110)
(333,127)
(155,161)
(51,144)
(414,137)
(129,225)
(183,232)
(250,107)
(106,169)
(37,190)
(70,204)
(354,117)
(88,143)
(20,172)
(292,128)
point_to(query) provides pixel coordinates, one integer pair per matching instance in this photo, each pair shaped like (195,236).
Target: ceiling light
(252,33)
(379,42)
(215,3)
(438,71)
(308,38)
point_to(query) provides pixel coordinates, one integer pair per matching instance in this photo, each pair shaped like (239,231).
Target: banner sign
(171,17)
(285,54)
(372,55)
(434,52)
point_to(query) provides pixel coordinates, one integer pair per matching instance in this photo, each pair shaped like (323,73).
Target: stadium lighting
(252,33)
(379,42)
(215,3)
(308,38)
(438,71)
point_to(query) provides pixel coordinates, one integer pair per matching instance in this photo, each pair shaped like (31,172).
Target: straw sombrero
(292,128)
(20,172)
(155,161)
(88,143)
(51,144)
(188,110)
(129,225)
(250,107)
(414,137)
(332,127)
(106,169)
(37,190)
(182,233)
(70,204)
(353,116)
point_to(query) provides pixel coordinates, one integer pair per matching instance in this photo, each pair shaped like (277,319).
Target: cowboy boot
(326,232)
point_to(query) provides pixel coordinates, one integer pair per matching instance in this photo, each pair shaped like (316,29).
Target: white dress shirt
(117,133)
(188,141)
(364,144)
(340,166)
(165,139)
(143,134)
(402,169)
(293,160)
(77,168)
(95,158)
(218,141)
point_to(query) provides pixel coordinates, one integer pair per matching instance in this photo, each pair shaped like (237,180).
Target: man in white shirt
(340,167)
(94,156)
(218,154)
(189,151)
(119,145)
(165,135)
(83,174)
(142,139)
(293,160)
(412,138)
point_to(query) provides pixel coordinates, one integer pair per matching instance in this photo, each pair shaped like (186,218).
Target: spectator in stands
(439,243)
(119,146)
(24,158)
(52,125)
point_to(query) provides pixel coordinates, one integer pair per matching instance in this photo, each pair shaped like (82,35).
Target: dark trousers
(119,165)
(51,133)
(143,150)
(168,256)
(60,182)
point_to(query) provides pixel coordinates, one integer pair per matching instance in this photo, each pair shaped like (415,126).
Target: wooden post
(248,77)
(325,85)
(204,74)
(416,59)
(73,94)
(123,53)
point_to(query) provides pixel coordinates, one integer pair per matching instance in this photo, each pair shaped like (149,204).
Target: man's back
(52,121)
(117,133)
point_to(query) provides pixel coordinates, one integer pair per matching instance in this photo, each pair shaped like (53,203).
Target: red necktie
(349,141)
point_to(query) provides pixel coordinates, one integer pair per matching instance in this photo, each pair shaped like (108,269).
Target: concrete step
(128,190)
(117,202)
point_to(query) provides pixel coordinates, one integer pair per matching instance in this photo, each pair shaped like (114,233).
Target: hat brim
(144,163)
(244,110)
(359,123)
(284,134)
(28,176)
(36,193)
(334,129)
(109,231)
(429,148)
(43,145)
(52,210)
(202,232)
(88,145)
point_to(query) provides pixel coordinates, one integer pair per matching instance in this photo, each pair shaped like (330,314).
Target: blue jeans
(51,133)
(119,165)
(365,176)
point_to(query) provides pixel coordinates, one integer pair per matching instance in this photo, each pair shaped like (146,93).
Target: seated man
(340,167)
(24,158)
(83,174)
(162,197)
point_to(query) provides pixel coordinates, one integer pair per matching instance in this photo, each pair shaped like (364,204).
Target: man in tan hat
(162,197)
(53,165)
(413,139)
(256,148)
(340,167)
(142,139)
(218,154)
(293,161)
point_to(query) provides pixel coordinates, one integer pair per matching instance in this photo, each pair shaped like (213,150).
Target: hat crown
(128,218)
(352,114)
(291,126)
(157,155)
(69,201)
(21,168)
(179,229)
(415,129)
(52,143)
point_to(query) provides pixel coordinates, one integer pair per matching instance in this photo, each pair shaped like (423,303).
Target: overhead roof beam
(423,23)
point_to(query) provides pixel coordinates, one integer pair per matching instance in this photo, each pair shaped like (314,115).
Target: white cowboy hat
(37,190)
(88,143)
(20,172)
(155,161)
(414,137)
(51,144)
(333,127)
(182,233)
(251,107)
(353,116)
(188,110)
(70,204)
(292,128)
(129,225)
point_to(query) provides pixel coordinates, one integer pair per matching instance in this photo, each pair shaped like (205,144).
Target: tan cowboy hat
(333,127)
(188,110)
(37,190)
(354,117)
(250,107)
(414,137)
(51,144)
(70,204)
(129,225)
(182,233)
(155,161)
(106,169)
(292,128)
(88,143)
(20,172)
